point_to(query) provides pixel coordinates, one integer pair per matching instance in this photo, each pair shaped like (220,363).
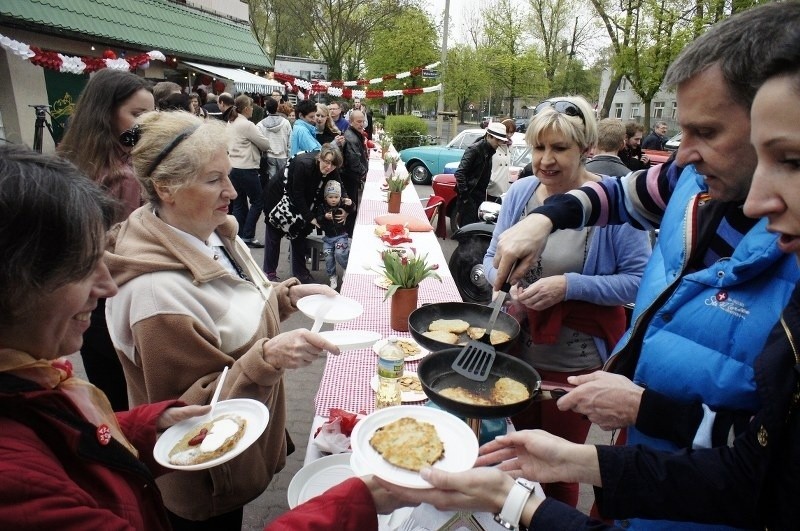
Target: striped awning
(243,81)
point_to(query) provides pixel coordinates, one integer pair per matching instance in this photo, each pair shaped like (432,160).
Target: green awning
(168,27)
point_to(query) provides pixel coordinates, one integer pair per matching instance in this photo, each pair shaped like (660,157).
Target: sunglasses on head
(561,106)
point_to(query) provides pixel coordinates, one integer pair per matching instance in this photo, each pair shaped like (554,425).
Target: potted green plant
(405,272)
(395,185)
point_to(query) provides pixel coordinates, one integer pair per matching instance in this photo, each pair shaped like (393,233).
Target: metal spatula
(477,357)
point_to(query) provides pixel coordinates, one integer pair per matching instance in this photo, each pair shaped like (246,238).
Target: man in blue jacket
(716,282)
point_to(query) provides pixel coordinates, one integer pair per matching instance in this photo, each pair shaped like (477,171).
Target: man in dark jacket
(356,161)
(474,171)
(657,137)
(212,108)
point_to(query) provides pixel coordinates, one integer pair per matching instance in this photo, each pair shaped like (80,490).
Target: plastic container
(391,360)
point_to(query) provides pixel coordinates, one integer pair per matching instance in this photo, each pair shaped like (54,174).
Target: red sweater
(54,474)
(346,507)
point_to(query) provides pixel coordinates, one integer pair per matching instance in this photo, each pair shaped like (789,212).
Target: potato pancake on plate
(408,443)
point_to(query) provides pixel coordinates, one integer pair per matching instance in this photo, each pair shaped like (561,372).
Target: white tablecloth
(345,381)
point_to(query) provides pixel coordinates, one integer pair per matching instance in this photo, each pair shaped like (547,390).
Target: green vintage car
(426,161)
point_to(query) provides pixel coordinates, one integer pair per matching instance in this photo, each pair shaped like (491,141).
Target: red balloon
(109,54)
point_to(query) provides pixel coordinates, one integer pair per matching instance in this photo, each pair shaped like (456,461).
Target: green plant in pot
(405,271)
(395,185)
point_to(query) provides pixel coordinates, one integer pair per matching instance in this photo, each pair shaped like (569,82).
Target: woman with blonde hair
(570,304)
(326,129)
(245,144)
(192,301)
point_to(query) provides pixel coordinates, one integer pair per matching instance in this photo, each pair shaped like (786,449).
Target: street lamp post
(440,103)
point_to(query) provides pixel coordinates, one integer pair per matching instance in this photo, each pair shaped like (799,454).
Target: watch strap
(515,503)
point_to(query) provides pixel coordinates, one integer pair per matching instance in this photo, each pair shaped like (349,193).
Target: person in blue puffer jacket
(304,130)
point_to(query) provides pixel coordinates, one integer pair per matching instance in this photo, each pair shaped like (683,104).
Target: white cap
(497,130)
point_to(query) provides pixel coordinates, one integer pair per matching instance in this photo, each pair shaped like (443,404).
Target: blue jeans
(248,187)
(335,249)
(275,166)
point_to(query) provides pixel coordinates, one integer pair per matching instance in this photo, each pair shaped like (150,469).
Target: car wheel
(419,173)
(466,265)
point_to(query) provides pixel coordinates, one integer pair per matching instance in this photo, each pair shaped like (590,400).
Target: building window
(623,85)
(674,110)
(618,110)
(634,111)
(658,109)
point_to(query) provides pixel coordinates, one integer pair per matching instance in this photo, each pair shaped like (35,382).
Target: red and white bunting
(78,65)
(342,89)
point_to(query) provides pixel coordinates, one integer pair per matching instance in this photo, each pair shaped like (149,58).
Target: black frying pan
(435,373)
(474,314)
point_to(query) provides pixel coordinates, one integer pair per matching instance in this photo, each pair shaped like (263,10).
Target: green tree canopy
(464,77)
(277,30)
(337,26)
(410,40)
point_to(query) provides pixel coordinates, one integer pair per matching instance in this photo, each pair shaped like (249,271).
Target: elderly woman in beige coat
(192,301)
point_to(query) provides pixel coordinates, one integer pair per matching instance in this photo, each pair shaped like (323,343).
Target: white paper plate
(254,412)
(414,357)
(405,396)
(341,310)
(317,477)
(358,467)
(351,339)
(460,444)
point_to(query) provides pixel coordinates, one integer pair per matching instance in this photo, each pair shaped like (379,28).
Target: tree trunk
(609,97)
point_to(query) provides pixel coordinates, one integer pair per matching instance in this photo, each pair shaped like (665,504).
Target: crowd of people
(260,148)
(137,229)
(155,212)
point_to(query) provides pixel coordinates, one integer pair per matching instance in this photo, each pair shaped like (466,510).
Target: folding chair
(433,209)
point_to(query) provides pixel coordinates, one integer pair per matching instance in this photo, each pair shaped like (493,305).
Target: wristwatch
(515,502)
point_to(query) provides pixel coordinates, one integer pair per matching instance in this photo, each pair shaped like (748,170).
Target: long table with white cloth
(346,378)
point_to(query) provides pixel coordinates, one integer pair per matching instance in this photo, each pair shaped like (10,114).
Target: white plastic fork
(215,398)
(319,316)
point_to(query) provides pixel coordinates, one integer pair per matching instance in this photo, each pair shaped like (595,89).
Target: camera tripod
(38,129)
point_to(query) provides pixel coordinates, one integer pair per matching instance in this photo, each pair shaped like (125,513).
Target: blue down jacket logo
(728,304)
